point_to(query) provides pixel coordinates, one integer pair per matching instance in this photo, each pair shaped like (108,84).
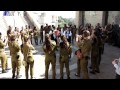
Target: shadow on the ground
(38,53)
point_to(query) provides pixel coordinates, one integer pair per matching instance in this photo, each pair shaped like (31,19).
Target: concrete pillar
(79,18)
(105,18)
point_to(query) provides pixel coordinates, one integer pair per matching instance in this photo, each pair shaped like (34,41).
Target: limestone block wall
(114,16)
(93,17)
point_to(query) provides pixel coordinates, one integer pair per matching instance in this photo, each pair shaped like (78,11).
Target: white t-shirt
(67,33)
(117,66)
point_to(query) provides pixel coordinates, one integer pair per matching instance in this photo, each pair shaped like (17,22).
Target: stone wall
(93,17)
(114,16)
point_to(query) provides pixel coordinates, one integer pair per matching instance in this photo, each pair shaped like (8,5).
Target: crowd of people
(89,40)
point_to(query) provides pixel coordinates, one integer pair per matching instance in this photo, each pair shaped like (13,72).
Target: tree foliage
(62,21)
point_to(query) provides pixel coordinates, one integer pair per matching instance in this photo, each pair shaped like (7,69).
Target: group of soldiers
(17,49)
(90,42)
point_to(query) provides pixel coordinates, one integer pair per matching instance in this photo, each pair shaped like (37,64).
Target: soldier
(85,46)
(78,39)
(100,48)
(95,54)
(28,57)
(74,30)
(46,29)
(9,31)
(80,30)
(104,37)
(41,34)
(30,33)
(15,52)
(65,51)
(22,35)
(35,35)
(49,48)
(26,29)
(64,28)
(3,55)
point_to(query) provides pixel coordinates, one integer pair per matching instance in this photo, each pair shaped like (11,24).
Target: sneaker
(77,75)
(92,72)
(13,76)
(68,77)
(97,71)
(90,67)
(4,71)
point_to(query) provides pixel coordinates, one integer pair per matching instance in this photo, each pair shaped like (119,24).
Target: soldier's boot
(32,78)
(61,77)
(27,77)
(93,72)
(98,71)
(18,76)
(90,67)
(76,74)
(68,77)
(4,71)
(13,76)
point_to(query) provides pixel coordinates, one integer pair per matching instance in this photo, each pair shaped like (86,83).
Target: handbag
(79,54)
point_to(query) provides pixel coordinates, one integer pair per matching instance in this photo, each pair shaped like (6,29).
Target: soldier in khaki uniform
(28,57)
(95,54)
(36,34)
(74,30)
(49,48)
(26,30)
(85,46)
(100,48)
(22,35)
(65,51)
(15,52)
(30,33)
(3,56)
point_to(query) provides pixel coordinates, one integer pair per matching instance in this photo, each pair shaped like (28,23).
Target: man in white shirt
(68,34)
(116,63)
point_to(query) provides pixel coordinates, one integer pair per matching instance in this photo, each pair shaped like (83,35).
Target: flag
(6,13)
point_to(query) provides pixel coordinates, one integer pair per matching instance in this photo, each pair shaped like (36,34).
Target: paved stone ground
(106,68)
